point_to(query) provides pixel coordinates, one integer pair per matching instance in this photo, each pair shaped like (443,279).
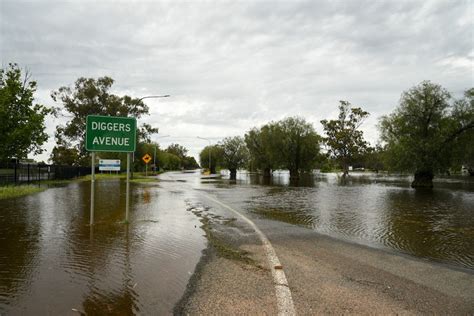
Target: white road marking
(282,290)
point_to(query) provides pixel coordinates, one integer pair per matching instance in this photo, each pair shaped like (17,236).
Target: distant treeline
(429,132)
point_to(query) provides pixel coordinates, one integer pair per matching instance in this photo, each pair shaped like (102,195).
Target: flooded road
(52,262)
(374,210)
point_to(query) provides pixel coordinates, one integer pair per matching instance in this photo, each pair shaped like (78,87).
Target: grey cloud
(232,65)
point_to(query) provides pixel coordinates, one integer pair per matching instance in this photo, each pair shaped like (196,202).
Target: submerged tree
(215,153)
(22,128)
(463,112)
(234,154)
(295,145)
(343,137)
(261,153)
(421,134)
(93,97)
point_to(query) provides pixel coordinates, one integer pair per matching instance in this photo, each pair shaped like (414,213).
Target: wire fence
(21,173)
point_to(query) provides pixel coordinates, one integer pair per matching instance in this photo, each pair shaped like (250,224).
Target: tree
(422,132)
(343,137)
(177,150)
(64,156)
(234,154)
(294,145)
(216,157)
(463,112)
(168,161)
(259,145)
(92,97)
(373,158)
(189,163)
(22,129)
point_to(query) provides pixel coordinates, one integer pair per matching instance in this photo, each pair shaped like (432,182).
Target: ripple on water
(110,268)
(436,224)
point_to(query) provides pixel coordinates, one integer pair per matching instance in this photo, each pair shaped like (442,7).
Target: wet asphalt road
(325,275)
(188,251)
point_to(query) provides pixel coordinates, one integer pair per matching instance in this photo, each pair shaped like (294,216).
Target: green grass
(59,181)
(106,176)
(8,192)
(143,180)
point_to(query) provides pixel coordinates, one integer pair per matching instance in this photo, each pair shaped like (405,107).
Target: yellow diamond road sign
(146,158)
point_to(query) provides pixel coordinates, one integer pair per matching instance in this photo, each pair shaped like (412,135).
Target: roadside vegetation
(8,192)
(427,134)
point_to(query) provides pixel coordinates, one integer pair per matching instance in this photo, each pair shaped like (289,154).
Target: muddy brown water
(52,262)
(376,210)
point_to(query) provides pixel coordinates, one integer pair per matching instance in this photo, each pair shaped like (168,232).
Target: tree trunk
(423,179)
(233,174)
(267,173)
(213,169)
(294,174)
(345,170)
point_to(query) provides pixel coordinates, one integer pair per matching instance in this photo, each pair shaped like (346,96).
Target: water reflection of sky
(376,210)
(52,262)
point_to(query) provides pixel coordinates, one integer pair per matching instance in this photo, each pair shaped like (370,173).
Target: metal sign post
(146,159)
(91,222)
(110,134)
(127,198)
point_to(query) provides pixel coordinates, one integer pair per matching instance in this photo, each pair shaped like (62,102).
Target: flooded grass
(216,239)
(59,181)
(144,180)
(103,269)
(8,192)
(106,176)
(222,248)
(230,222)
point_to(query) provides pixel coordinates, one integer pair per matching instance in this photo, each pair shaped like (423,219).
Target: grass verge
(8,192)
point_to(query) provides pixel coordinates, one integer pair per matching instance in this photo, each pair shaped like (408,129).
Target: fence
(20,173)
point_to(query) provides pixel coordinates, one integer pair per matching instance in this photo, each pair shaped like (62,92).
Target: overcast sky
(233,65)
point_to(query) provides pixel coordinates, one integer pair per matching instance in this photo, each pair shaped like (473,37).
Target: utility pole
(138,101)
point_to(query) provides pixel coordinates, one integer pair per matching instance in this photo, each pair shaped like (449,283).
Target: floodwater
(375,210)
(53,263)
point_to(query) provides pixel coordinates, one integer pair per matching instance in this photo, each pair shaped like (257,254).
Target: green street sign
(110,133)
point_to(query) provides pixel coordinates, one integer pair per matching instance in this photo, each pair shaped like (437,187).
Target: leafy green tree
(216,157)
(422,132)
(22,129)
(64,156)
(177,150)
(373,158)
(168,161)
(294,145)
(93,97)
(234,154)
(189,163)
(343,137)
(463,112)
(261,153)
